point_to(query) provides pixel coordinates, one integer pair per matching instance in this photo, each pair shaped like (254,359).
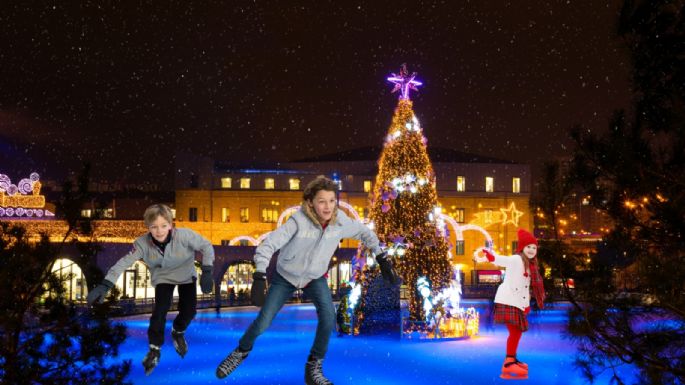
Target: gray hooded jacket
(177,264)
(306,248)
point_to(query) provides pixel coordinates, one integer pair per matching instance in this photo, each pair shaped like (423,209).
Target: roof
(372,153)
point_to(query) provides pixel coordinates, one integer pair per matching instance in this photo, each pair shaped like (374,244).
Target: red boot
(521,363)
(511,370)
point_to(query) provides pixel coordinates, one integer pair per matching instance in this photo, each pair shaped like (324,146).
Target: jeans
(280,291)
(187,303)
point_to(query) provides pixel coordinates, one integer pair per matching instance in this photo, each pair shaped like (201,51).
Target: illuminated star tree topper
(404,82)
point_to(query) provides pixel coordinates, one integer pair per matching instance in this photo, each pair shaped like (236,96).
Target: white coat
(515,289)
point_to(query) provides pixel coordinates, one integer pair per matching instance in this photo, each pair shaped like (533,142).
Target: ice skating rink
(280,353)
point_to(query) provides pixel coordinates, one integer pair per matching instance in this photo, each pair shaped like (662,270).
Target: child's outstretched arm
(99,292)
(272,243)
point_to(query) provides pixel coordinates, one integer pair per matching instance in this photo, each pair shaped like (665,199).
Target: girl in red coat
(512,301)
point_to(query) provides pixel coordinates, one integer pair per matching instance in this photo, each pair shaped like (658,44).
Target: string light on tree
(403,208)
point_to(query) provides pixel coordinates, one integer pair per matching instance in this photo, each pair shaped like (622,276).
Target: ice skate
(151,359)
(180,343)
(313,373)
(511,370)
(521,363)
(230,363)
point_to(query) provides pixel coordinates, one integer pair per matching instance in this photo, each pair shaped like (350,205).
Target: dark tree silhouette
(45,338)
(635,173)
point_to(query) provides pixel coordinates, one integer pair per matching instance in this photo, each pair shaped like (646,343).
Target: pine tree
(404,200)
(634,173)
(44,337)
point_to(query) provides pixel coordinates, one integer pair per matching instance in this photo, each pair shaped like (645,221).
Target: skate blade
(149,369)
(507,376)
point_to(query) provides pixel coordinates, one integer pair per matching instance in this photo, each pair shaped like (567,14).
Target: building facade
(483,200)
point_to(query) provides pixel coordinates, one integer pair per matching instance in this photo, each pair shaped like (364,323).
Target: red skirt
(505,314)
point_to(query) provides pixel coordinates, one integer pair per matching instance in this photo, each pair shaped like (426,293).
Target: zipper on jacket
(314,248)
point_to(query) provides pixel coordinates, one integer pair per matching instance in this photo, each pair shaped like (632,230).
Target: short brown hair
(158,210)
(318,184)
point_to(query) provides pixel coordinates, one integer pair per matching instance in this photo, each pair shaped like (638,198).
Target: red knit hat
(525,239)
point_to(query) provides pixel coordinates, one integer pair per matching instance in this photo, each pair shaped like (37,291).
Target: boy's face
(324,205)
(530,251)
(159,228)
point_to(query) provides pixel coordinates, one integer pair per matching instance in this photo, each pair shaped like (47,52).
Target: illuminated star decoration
(404,82)
(511,215)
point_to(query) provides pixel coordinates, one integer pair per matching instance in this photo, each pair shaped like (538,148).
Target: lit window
(489,184)
(459,215)
(226,182)
(244,182)
(173,213)
(294,183)
(516,185)
(488,216)
(367,186)
(87,213)
(459,248)
(269,215)
(225,215)
(461,183)
(269,183)
(244,214)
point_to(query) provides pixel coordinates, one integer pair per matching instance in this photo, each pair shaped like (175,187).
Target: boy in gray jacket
(306,242)
(170,255)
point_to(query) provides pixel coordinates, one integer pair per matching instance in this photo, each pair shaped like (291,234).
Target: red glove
(526,311)
(491,256)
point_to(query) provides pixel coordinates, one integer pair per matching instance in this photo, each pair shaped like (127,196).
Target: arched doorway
(72,278)
(237,282)
(136,283)
(339,276)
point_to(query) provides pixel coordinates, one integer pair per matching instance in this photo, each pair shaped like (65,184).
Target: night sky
(127,87)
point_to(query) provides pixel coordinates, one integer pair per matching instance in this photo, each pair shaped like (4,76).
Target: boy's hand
(258,292)
(99,292)
(206,282)
(389,274)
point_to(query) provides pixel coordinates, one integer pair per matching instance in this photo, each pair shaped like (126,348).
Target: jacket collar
(311,215)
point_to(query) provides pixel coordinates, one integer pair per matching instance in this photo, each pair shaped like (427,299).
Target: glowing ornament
(404,82)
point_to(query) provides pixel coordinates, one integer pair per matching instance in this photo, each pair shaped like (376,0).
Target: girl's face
(324,205)
(530,251)
(159,228)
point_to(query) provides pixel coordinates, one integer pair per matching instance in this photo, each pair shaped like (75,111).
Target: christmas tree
(404,206)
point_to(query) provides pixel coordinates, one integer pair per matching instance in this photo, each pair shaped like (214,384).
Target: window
(173,213)
(459,248)
(244,214)
(192,214)
(489,184)
(268,211)
(459,215)
(488,216)
(461,183)
(244,182)
(226,182)
(86,213)
(225,215)
(367,186)
(269,214)
(514,245)
(269,184)
(516,185)
(294,183)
